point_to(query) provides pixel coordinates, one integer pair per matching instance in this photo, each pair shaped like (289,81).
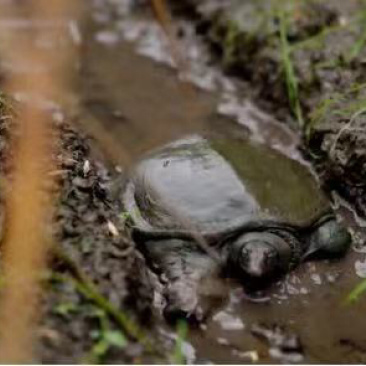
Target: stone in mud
(204,203)
(283,346)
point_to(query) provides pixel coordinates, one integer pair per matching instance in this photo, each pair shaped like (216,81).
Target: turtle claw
(182,303)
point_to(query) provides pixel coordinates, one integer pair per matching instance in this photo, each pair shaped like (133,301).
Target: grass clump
(288,68)
(90,291)
(356,293)
(105,338)
(182,331)
(343,108)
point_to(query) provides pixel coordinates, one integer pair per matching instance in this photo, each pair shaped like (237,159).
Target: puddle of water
(193,109)
(308,302)
(129,86)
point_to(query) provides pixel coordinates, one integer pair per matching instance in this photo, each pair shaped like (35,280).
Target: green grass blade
(178,356)
(355,294)
(290,77)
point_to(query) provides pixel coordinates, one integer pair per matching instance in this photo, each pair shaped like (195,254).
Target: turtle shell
(217,186)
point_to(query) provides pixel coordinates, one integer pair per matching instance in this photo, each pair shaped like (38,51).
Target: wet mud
(129,86)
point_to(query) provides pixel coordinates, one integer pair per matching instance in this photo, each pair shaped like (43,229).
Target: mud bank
(90,230)
(98,291)
(303,62)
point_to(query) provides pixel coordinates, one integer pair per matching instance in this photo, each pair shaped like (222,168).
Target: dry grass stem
(28,204)
(164,19)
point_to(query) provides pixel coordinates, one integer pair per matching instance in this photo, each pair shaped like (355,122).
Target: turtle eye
(244,255)
(270,258)
(271,254)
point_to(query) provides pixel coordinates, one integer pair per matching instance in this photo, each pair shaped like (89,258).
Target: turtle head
(258,257)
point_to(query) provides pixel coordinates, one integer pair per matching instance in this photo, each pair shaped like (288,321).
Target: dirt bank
(98,291)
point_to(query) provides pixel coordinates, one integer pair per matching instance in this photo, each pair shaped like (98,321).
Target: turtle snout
(258,260)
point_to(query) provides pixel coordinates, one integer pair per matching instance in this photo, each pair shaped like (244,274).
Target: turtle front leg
(328,240)
(185,266)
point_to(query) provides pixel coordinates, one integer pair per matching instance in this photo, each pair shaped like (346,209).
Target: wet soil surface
(91,248)
(129,87)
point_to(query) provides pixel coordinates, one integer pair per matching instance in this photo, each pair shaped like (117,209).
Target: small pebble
(112,229)
(360,267)
(228,322)
(252,356)
(222,341)
(107,37)
(316,278)
(86,167)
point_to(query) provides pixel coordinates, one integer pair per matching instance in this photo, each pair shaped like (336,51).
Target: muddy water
(132,94)
(141,103)
(129,58)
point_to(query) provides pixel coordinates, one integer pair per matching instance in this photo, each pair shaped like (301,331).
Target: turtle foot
(182,303)
(329,240)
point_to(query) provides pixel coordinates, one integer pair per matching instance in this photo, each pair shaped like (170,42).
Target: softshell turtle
(255,210)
